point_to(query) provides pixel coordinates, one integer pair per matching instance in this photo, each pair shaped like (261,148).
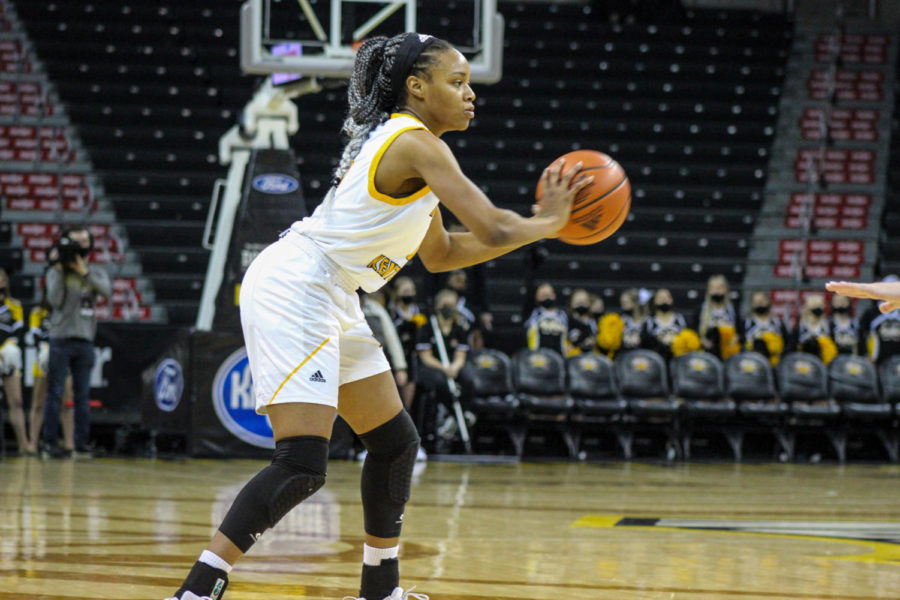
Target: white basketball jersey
(368,234)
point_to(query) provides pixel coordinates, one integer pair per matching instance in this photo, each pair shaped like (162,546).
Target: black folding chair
(487,378)
(803,384)
(698,380)
(853,383)
(539,377)
(597,405)
(644,384)
(750,382)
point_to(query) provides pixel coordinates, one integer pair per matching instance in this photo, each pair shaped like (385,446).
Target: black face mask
(446,311)
(664,307)
(597,316)
(628,312)
(817,312)
(717,298)
(580,310)
(761,310)
(840,310)
(548,303)
(407,299)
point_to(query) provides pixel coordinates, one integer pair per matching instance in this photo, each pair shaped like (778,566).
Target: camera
(66,251)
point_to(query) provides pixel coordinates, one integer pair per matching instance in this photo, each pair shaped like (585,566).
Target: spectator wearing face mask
(620,331)
(471,286)
(666,331)
(717,324)
(761,331)
(582,335)
(408,318)
(598,308)
(884,336)
(548,324)
(432,374)
(844,327)
(812,334)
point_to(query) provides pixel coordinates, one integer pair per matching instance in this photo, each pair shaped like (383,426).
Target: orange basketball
(600,208)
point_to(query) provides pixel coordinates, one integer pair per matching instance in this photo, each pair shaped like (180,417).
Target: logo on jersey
(234,401)
(168,385)
(384,266)
(275,183)
(317,377)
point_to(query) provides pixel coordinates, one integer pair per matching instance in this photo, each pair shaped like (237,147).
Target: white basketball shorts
(304,329)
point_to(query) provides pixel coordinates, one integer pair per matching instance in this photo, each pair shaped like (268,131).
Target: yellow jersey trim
(400,115)
(297,368)
(374,167)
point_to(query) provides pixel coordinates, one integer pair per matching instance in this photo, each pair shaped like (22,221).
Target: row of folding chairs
(693,393)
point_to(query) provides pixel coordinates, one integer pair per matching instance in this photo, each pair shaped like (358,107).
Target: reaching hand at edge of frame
(888,292)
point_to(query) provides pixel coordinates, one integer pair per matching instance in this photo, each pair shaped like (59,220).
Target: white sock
(214,560)
(374,556)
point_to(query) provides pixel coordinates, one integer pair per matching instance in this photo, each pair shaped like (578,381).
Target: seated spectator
(844,327)
(478,320)
(872,296)
(811,334)
(382,326)
(666,331)
(617,332)
(471,286)
(717,322)
(598,308)
(884,336)
(408,318)
(582,336)
(432,375)
(761,331)
(548,324)
(12,323)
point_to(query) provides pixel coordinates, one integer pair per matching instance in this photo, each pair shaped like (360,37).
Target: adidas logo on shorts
(318,377)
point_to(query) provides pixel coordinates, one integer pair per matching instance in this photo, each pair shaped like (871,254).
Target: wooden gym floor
(130,529)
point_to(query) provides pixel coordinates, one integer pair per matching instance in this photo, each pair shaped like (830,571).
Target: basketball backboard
(317,38)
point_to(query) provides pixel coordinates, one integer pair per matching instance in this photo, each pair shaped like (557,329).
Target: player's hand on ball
(558,193)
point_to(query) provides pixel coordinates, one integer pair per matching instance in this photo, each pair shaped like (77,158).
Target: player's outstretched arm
(886,291)
(492,231)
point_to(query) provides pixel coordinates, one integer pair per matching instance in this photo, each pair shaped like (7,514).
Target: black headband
(413,45)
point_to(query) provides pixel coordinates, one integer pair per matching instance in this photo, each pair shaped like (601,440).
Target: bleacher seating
(687,110)
(617,401)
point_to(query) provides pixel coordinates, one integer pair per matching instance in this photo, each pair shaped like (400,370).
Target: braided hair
(370,95)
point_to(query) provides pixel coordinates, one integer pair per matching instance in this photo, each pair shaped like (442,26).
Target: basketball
(600,208)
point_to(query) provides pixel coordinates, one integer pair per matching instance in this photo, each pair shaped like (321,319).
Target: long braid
(370,97)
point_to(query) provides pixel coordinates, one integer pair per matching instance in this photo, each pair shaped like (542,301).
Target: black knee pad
(387,474)
(296,473)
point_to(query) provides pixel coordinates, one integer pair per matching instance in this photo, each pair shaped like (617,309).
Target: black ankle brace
(378,582)
(204,580)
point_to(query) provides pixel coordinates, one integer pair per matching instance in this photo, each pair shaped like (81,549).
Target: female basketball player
(310,350)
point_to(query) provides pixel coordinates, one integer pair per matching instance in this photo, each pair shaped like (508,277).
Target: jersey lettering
(384,266)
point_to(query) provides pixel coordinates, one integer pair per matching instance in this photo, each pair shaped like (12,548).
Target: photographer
(72,291)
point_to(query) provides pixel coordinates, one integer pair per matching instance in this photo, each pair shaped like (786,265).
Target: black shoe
(54,451)
(88,451)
